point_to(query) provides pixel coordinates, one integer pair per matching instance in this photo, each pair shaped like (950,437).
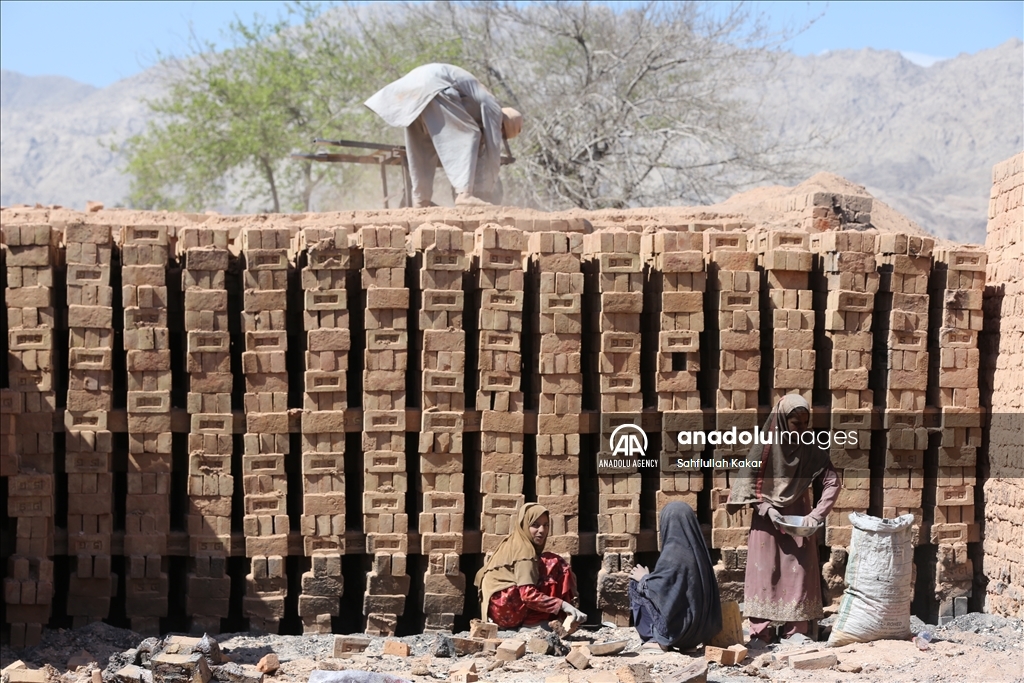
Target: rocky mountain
(922,139)
(55,137)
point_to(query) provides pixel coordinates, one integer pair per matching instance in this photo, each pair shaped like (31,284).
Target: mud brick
(206,258)
(953,338)
(680,262)
(36,339)
(964,260)
(208,342)
(28,297)
(685,302)
(256,301)
(87,359)
(35,256)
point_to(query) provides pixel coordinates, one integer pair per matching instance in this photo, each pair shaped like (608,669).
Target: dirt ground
(975,647)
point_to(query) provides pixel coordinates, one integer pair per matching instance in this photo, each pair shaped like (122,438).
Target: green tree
(623,107)
(224,130)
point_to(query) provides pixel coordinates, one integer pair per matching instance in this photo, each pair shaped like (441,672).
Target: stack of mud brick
(144,261)
(441,253)
(29,406)
(499,393)
(828,211)
(325,399)
(959,281)
(88,441)
(905,264)
(1002,355)
(385,521)
(786,260)
(267,440)
(848,284)
(205,258)
(676,262)
(555,258)
(620,288)
(734,298)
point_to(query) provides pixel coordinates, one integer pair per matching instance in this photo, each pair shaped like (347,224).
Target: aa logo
(629,441)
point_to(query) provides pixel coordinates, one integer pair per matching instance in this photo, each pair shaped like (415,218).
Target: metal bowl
(791,523)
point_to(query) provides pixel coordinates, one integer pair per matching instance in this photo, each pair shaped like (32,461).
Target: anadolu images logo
(625,441)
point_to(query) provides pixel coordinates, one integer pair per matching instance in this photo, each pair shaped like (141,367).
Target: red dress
(530,605)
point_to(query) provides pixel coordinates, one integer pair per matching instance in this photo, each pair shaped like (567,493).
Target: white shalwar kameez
(448,115)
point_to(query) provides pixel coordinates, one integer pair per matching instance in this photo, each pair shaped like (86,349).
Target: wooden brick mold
(442,253)
(30,257)
(205,257)
(266,440)
(555,256)
(90,397)
(144,261)
(385,520)
(620,302)
(499,399)
(325,399)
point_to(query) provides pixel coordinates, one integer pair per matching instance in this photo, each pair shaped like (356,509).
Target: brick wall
(1003,388)
(272,400)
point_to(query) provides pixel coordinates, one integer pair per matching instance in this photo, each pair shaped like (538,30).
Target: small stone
(696,671)
(210,649)
(232,672)
(539,645)
(812,661)
(849,668)
(131,674)
(269,664)
(443,646)
(420,668)
(611,647)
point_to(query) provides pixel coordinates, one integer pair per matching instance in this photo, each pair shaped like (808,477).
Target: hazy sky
(101,42)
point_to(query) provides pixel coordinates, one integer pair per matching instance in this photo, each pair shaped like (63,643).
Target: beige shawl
(514,562)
